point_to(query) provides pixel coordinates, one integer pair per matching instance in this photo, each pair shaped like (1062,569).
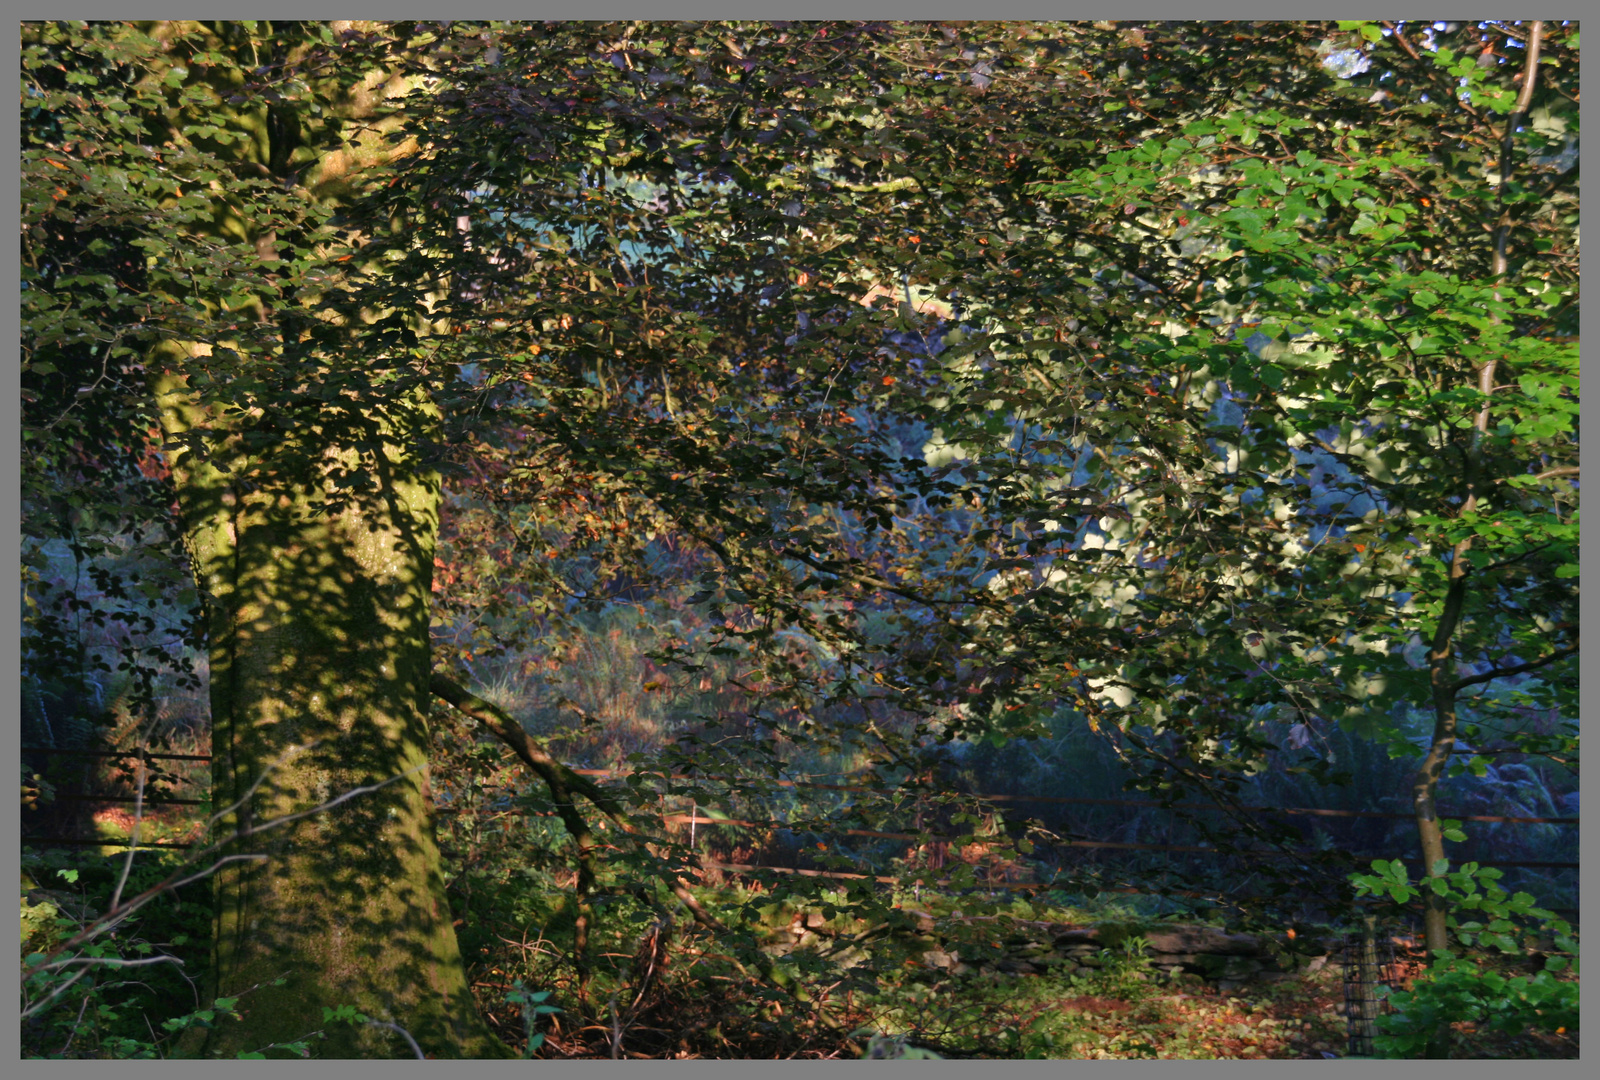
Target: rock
(1202,939)
(1231,961)
(1086,937)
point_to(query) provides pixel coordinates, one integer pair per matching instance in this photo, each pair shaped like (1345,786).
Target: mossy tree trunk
(314,554)
(298,470)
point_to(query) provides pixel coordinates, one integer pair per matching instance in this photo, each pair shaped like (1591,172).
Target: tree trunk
(1442,676)
(1425,783)
(317,596)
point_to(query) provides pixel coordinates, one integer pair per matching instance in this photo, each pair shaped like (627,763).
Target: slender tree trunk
(315,561)
(1425,784)
(1444,681)
(1441,662)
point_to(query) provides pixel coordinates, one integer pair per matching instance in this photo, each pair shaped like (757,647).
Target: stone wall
(1216,955)
(1228,959)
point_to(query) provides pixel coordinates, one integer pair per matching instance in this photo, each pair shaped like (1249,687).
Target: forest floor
(1043,1016)
(1302,1018)
(695,1013)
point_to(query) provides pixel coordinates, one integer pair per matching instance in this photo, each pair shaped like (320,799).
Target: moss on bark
(316,554)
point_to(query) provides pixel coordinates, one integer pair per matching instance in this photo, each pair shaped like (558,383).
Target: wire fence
(694,820)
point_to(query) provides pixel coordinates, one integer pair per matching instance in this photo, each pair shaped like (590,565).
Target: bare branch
(561,780)
(508,731)
(57,992)
(117,914)
(1563,470)
(138,819)
(110,961)
(1532,665)
(415,1049)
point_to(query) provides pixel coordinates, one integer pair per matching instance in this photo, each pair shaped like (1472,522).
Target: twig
(616,1031)
(415,1049)
(116,914)
(138,819)
(57,992)
(1500,672)
(73,1033)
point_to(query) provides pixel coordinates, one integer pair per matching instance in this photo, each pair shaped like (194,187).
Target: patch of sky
(1346,63)
(1561,160)
(1257,342)
(1321,534)
(1227,413)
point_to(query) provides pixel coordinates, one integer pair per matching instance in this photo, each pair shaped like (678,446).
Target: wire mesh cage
(1368,964)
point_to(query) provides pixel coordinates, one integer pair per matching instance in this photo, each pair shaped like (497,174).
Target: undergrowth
(656,985)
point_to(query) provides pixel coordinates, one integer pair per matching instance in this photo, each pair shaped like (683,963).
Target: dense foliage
(1207,389)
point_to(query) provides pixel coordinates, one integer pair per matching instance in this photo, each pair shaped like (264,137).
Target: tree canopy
(1215,381)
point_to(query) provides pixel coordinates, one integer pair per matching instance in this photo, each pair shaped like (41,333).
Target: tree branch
(560,778)
(1500,672)
(562,782)
(1563,470)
